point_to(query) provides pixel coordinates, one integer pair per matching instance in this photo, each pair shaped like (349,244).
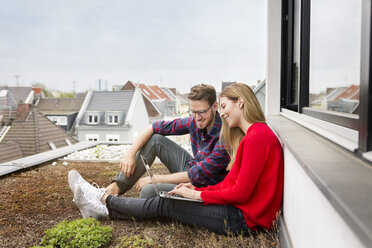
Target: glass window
(92,118)
(92,137)
(112,137)
(113,119)
(62,120)
(296,52)
(54,119)
(335,38)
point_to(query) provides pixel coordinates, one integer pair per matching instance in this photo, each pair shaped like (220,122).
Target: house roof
(170,93)
(333,93)
(159,92)
(352,92)
(20,93)
(61,106)
(148,92)
(33,135)
(110,100)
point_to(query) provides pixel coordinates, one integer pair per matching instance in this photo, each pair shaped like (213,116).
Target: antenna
(17,77)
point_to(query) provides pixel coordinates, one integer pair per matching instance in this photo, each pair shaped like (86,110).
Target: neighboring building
(172,108)
(112,116)
(340,99)
(225,84)
(153,112)
(182,103)
(260,92)
(10,96)
(62,111)
(27,132)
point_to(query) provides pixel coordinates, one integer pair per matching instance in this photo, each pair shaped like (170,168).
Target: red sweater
(255,182)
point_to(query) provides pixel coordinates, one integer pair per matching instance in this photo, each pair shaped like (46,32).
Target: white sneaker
(94,193)
(87,207)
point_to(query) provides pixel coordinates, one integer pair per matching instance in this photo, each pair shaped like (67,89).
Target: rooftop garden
(38,199)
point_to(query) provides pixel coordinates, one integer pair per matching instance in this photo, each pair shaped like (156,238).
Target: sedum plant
(78,233)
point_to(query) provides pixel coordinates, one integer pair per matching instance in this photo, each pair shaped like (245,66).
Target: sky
(72,44)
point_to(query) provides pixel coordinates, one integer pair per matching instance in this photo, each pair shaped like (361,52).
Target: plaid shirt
(210,157)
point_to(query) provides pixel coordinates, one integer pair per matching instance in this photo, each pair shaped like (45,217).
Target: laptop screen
(152,178)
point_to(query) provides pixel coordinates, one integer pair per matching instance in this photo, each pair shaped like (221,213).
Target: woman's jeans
(217,218)
(174,157)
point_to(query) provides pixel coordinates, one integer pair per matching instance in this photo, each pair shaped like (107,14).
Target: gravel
(106,153)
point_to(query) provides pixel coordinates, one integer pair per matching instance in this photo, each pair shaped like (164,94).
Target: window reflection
(335,55)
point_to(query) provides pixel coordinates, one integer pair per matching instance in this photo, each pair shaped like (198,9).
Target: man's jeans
(216,218)
(173,156)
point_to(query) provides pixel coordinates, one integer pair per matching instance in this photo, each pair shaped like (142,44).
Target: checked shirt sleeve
(212,169)
(176,127)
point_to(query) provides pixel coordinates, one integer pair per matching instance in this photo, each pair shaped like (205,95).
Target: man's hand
(142,182)
(127,164)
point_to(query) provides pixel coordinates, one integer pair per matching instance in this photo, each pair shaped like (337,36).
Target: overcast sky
(172,43)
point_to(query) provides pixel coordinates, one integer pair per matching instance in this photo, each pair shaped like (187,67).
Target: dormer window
(113,119)
(93,118)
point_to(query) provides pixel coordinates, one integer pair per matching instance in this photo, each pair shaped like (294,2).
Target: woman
(248,198)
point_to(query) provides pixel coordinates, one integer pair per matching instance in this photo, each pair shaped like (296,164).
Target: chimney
(22,111)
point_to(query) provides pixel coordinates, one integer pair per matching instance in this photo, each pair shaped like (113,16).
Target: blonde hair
(252,112)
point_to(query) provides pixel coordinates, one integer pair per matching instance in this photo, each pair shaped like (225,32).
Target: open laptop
(163,194)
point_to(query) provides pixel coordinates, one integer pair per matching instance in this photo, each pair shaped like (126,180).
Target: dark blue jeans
(216,218)
(174,157)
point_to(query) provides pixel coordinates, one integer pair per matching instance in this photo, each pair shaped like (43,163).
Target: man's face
(203,113)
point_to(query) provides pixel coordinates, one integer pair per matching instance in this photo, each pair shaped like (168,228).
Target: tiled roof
(34,134)
(148,92)
(159,92)
(110,100)
(20,93)
(9,151)
(60,104)
(350,93)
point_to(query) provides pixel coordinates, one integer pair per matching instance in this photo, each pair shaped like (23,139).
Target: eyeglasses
(201,113)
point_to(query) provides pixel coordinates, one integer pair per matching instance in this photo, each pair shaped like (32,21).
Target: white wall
(137,116)
(311,220)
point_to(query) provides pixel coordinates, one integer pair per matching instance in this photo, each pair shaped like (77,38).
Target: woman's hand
(186,191)
(187,185)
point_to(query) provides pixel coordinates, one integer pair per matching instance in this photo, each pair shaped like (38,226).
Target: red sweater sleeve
(249,163)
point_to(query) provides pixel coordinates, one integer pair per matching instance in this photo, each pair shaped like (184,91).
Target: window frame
(92,137)
(362,124)
(93,115)
(113,122)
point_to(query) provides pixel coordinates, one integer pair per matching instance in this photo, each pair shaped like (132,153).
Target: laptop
(163,194)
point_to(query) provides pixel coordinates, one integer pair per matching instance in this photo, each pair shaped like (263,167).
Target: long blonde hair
(252,112)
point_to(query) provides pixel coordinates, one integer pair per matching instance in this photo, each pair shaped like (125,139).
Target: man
(207,167)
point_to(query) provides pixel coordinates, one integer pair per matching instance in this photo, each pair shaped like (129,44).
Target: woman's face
(230,111)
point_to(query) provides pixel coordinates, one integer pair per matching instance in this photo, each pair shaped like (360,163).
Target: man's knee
(156,139)
(147,191)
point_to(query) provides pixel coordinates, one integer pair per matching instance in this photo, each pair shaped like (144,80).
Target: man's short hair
(203,92)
